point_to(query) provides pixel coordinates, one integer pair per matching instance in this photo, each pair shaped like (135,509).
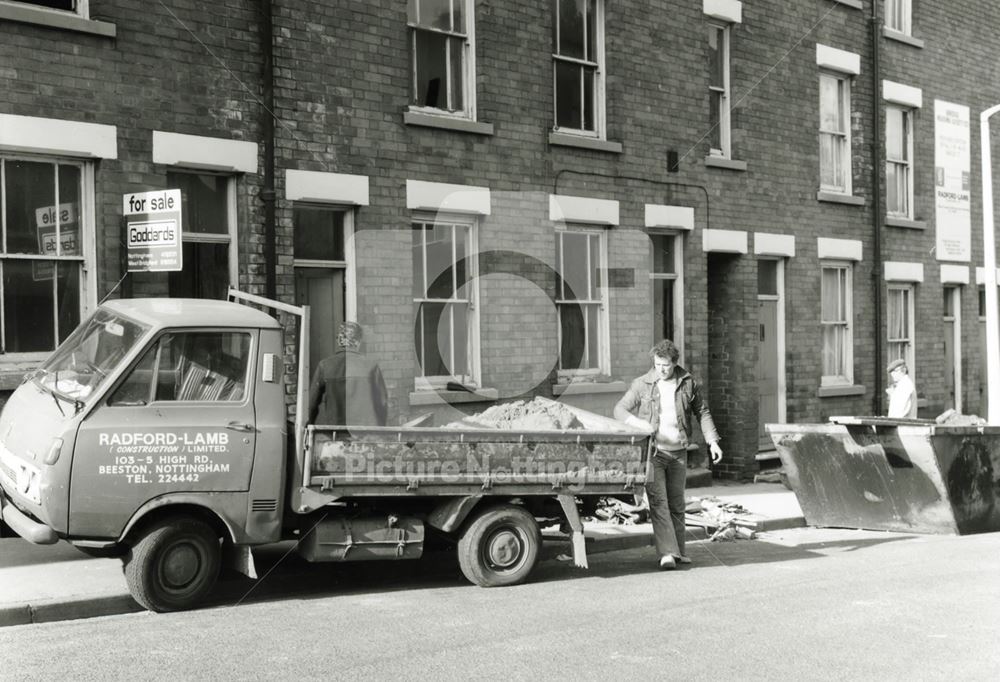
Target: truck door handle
(240,426)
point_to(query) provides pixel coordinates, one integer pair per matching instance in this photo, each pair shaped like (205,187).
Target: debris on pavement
(721,520)
(613,510)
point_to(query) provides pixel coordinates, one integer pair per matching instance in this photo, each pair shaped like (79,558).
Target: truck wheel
(500,546)
(173,565)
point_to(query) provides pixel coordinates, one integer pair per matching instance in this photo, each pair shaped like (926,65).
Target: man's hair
(665,349)
(350,335)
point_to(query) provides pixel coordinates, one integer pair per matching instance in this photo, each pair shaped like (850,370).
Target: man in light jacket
(662,402)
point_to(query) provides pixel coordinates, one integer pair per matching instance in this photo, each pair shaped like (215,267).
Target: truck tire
(174,564)
(500,546)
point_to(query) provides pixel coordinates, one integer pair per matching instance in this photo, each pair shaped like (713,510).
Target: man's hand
(716,451)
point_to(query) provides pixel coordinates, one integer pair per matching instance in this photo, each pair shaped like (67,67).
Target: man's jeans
(666,501)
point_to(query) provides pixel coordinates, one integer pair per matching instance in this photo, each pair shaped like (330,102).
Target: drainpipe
(876,34)
(267,193)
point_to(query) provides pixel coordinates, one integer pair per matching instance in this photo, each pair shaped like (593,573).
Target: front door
(769,396)
(952,348)
(322,289)
(181,420)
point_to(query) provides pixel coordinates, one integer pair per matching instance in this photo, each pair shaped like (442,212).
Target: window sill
(12,374)
(839,391)
(461,125)
(902,38)
(855,4)
(588,388)
(58,20)
(443,397)
(834,198)
(580,142)
(728,164)
(896,221)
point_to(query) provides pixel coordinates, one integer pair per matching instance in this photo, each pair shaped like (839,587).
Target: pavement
(40,584)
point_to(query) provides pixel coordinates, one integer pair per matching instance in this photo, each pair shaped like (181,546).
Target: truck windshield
(81,365)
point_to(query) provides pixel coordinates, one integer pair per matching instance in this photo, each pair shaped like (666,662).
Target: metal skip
(896,475)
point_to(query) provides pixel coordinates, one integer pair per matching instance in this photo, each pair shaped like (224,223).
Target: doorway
(952,305)
(771,351)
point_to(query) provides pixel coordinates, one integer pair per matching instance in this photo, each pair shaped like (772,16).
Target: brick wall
(342,84)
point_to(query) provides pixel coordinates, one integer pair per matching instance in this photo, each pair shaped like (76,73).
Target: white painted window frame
(678,279)
(905,164)
(468,110)
(844,136)
(87,259)
(899,16)
(81,8)
(230,237)
(474,381)
(602,302)
(723,93)
(348,265)
(909,293)
(846,379)
(955,293)
(600,128)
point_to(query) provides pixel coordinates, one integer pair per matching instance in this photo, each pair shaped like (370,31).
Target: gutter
(877,205)
(267,193)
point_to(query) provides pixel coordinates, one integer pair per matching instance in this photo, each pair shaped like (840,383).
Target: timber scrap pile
(722,521)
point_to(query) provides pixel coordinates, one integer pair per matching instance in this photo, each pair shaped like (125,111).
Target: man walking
(662,402)
(902,393)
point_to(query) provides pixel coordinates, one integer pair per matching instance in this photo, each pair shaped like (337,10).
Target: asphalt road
(797,604)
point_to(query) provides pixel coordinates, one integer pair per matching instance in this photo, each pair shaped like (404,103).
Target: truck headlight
(55,449)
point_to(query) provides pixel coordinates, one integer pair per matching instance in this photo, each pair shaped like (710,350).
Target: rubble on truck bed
(539,414)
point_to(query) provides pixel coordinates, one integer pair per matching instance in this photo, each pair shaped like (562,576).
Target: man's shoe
(667,563)
(682,559)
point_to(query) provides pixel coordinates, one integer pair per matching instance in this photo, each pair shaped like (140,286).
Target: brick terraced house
(516,197)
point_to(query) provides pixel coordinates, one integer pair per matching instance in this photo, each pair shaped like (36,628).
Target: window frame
(468,110)
(422,382)
(901,9)
(846,379)
(602,302)
(155,345)
(905,164)
(678,279)
(910,340)
(724,93)
(231,236)
(88,250)
(348,264)
(844,145)
(598,64)
(81,7)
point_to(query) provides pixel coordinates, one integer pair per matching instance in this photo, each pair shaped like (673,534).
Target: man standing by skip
(663,401)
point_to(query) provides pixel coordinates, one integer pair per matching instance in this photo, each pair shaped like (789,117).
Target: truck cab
(156,410)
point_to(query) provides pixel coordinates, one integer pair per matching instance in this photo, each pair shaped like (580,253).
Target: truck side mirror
(269,373)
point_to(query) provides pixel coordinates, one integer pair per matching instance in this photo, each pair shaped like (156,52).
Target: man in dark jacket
(662,402)
(347,388)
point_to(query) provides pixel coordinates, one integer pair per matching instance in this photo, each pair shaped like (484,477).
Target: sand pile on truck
(539,414)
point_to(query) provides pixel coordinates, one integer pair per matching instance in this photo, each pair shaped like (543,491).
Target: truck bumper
(23,525)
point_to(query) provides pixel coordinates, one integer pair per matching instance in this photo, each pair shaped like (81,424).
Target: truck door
(181,420)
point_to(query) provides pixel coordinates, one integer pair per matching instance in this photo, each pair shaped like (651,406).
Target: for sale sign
(153,231)
(51,221)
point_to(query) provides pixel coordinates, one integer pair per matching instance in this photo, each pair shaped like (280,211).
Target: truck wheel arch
(180,506)
(450,515)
